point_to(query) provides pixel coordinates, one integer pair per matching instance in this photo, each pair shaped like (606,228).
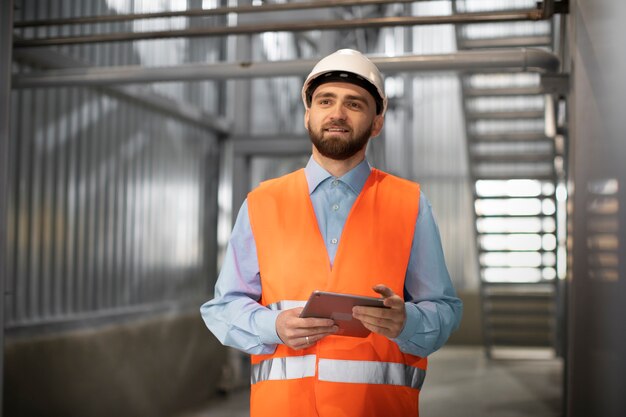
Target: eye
(354,105)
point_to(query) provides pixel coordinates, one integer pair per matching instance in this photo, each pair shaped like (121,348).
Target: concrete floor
(461,382)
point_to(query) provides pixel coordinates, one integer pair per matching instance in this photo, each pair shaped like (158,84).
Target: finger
(387,328)
(299,342)
(378,329)
(375,320)
(301,332)
(391,320)
(394,302)
(323,331)
(312,339)
(383,290)
(305,341)
(391,299)
(316,334)
(311,322)
(396,309)
(371,311)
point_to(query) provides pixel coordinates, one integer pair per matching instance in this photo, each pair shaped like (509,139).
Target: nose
(338,112)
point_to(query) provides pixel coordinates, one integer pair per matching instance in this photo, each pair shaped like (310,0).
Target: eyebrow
(329,94)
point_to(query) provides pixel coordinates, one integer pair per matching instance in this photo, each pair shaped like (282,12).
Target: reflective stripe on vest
(370,372)
(291,367)
(332,370)
(286,304)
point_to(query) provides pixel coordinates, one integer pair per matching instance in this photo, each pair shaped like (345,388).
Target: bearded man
(337,225)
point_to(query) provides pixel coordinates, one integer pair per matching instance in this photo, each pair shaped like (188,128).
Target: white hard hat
(347,65)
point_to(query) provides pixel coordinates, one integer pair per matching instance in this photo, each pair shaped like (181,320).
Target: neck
(338,168)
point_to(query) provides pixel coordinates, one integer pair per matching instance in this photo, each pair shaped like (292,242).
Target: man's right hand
(300,333)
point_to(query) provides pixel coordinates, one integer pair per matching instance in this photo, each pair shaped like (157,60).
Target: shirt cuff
(411,325)
(265,320)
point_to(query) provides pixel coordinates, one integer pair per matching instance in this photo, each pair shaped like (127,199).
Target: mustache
(338,124)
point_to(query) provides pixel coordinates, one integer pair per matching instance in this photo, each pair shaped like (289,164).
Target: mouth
(336,129)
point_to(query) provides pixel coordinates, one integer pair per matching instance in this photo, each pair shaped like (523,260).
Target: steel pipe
(244,9)
(168,106)
(526,60)
(376,22)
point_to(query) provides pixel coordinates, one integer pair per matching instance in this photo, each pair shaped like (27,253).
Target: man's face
(341,119)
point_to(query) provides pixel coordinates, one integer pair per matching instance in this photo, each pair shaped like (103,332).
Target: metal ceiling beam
(507,42)
(148,99)
(377,22)
(526,60)
(505,115)
(218,11)
(500,92)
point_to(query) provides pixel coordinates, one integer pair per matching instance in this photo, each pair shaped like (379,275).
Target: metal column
(6,41)
(241,112)
(596,341)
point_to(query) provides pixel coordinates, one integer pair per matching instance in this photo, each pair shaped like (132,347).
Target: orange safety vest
(338,376)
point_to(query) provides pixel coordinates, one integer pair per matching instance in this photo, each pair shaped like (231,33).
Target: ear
(306,119)
(377,126)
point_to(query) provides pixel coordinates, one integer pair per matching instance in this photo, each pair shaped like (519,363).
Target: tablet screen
(338,306)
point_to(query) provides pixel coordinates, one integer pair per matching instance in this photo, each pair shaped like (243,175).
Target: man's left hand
(388,322)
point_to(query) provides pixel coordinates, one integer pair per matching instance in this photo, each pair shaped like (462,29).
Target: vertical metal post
(240,108)
(6,41)
(596,341)
(241,111)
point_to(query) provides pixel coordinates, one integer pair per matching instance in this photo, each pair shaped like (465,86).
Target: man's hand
(300,333)
(388,322)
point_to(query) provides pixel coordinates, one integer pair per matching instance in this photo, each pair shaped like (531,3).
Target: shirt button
(333,241)
(335,207)
(334,183)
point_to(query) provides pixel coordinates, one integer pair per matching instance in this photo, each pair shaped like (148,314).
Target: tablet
(337,306)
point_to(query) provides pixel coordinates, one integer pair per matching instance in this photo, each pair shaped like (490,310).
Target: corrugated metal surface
(113,207)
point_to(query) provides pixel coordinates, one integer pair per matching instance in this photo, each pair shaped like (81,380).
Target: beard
(336,148)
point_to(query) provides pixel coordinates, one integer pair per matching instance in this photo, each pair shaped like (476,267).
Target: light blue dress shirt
(433,310)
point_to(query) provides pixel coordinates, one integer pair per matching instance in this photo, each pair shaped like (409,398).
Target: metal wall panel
(113,207)
(596,364)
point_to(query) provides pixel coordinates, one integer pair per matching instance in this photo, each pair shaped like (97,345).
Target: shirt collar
(355,178)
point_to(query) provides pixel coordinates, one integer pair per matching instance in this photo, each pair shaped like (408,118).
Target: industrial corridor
(312,208)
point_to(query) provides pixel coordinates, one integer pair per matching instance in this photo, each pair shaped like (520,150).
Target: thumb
(383,290)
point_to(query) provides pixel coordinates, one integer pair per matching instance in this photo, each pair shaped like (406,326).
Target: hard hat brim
(344,77)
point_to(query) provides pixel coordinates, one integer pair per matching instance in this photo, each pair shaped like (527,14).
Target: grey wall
(151,367)
(111,237)
(596,360)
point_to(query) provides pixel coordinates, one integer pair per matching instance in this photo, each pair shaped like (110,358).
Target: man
(337,225)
